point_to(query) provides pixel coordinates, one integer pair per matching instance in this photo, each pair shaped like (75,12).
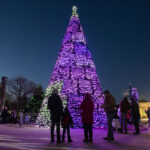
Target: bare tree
(19,90)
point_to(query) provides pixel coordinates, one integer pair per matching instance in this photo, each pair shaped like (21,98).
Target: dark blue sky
(118,35)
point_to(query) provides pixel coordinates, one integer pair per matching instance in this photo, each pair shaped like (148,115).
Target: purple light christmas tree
(74,75)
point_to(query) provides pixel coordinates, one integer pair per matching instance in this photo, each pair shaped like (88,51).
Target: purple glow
(76,70)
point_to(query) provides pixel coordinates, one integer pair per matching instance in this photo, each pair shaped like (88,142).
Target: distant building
(133,93)
(143,106)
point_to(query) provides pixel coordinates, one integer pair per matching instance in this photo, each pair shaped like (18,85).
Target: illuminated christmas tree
(74,75)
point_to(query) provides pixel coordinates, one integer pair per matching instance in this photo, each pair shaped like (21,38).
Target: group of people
(58,116)
(131,110)
(125,108)
(8,116)
(14,117)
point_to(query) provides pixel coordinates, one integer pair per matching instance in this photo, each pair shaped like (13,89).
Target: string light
(74,75)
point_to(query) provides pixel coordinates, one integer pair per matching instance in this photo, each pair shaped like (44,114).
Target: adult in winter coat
(87,107)
(56,110)
(124,108)
(136,115)
(109,108)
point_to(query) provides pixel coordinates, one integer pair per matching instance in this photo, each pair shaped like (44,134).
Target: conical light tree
(74,75)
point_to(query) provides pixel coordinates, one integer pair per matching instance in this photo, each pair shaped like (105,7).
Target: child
(66,122)
(116,123)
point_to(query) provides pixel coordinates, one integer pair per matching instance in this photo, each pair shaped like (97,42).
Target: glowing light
(74,75)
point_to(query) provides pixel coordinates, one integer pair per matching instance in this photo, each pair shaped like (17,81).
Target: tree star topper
(74,11)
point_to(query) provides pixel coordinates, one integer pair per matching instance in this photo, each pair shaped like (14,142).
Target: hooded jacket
(87,107)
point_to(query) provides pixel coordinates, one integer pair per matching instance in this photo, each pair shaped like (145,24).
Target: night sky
(118,35)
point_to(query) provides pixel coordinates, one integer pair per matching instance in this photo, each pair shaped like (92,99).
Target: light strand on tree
(74,75)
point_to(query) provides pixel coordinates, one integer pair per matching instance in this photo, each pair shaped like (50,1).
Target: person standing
(87,107)
(56,110)
(135,115)
(148,114)
(116,121)
(26,120)
(66,123)
(109,108)
(124,108)
(5,115)
(13,116)
(21,119)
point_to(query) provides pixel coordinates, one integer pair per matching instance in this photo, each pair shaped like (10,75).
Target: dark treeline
(23,95)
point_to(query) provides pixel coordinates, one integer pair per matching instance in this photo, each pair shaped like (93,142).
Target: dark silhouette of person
(87,107)
(136,115)
(66,123)
(5,115)
(148,115)
(109,108)
(124,108)
(56,110)
(13,116)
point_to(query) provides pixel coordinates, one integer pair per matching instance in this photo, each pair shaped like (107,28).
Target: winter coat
(135,110)
(125,106)
(109,104)
(55,106)
(87,107)
(66,119)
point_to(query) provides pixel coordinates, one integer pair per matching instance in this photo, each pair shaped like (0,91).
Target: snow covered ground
(31,138)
